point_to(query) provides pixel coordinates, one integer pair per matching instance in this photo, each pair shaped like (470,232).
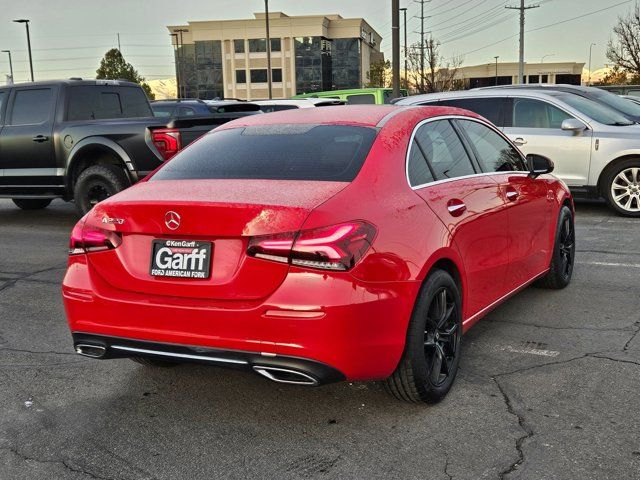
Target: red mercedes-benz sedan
(318,245)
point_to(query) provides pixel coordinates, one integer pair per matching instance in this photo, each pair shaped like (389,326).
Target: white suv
(596,151)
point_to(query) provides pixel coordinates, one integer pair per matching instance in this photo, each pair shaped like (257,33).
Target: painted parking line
(611,264)
(526,348)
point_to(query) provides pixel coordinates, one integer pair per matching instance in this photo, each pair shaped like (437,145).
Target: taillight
(337,247)
(87,238)
(167,141)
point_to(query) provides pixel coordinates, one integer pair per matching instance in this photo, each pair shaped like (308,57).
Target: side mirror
(538,165)
(573,125)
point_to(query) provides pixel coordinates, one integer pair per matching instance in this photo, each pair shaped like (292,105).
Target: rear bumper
(354,328)
(281,369)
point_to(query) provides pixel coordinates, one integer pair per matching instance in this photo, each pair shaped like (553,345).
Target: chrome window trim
(445,180)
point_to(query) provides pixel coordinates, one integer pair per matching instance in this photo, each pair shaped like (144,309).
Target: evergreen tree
(114,67)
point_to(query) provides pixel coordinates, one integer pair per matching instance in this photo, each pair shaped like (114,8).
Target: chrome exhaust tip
(284,375)
(93,351)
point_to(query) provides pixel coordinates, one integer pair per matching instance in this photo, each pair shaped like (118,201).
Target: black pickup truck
(84,140)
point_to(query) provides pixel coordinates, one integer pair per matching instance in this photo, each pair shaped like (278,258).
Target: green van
(357,96)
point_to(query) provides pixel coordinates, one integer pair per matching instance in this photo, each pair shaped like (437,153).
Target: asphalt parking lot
(548,388)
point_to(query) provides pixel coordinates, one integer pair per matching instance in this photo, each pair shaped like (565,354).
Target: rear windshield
(101,102)
(276,152)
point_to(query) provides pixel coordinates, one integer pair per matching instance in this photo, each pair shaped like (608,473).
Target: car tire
(621,187)
(97,183)
(31,203)
(433,343)
(564,251)
(155,362)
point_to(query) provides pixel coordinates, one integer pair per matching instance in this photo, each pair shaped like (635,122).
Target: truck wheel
(98,183)
(622,188)
(32,203)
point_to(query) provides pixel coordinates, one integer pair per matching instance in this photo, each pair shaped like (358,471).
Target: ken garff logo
(171,220)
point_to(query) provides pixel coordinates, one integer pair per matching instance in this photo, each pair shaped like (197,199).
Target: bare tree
(624,51)
(439,74)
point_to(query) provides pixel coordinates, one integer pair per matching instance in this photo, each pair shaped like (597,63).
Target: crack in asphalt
(617,360)
(64,462)
(36,352)
(446,467)
(528,432)
(10,283)
(626,345)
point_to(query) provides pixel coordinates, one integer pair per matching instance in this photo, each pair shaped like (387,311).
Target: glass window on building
(238,46)
(275,45)
(545,79)
(257,45)
(241,76)
(533,79)
(200,70)
(276,75)
(313,64)
(345,63)
(259,75)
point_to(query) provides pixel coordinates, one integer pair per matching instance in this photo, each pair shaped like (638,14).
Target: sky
(69,37)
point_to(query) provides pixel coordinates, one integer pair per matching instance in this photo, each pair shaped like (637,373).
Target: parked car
(631,111)
(195,107)
(275,105)
(596,150)
(622,89)
(631,98)
(357,96)
(82,140)
(318,245)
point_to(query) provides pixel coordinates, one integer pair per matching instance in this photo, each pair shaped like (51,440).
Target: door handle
(519,141)
(456,207)
(40,138)
(511,194)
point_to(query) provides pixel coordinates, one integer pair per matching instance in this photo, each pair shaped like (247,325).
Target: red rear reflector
(337,247)
(86,238)
(167,141)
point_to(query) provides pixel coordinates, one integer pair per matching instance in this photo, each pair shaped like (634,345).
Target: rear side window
(530,113)
(440,145)
(163,110)
(32,107)
(277,152)
(89,102)
(186,112)
(361,99)
(490,108)
(494,153)
(418,170)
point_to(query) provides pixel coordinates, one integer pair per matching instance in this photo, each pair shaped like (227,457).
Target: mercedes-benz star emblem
(171,220)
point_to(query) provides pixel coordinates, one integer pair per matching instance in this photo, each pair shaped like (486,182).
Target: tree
(114,67)
(616,76)
(624,51)
(379,74)
(439,74)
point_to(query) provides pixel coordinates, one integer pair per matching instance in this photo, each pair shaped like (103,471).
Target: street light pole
(406,80)
(8,52)
(174,41)
(545,56)
(266,22)
(26,24)
(497,57)
(395,47)
(589,81)
(180,31)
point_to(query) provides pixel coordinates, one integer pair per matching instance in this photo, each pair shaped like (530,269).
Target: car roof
(299,101)
(357,115)
(476,93)
(74,82)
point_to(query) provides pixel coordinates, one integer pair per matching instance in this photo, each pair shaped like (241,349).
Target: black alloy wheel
(441,336)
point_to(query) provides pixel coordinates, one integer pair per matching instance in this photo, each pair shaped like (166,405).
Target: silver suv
(596,150)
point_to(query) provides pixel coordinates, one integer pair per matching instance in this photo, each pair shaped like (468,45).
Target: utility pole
(266,20)
(406,80)
(590,47)
(522,9)
(497,57)
(119,43)
(395,47)
(422,17)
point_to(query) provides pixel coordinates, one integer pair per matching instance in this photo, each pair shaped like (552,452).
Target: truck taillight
(336,247)
(87,238)
(167,141)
